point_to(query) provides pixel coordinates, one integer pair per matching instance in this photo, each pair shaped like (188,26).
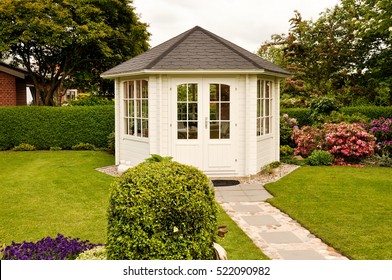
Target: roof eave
(193,71)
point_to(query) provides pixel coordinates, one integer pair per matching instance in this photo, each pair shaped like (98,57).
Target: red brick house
(12,85)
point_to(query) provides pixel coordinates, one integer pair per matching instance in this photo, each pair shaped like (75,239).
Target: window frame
(135,108)
(264,107)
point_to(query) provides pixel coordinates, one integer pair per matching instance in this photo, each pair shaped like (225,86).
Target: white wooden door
(203,127)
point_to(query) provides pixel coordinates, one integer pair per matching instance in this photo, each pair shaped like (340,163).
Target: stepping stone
(247,208)
(234,198)
(257,196)
(260,220)
(283,237)
(300,255)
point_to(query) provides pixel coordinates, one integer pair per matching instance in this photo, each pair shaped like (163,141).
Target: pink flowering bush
(348,143)
(307,139)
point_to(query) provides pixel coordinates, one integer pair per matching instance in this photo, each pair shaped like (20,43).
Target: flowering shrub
(382,130)
(59,248)
(307,139)
(287,125)
(348,142)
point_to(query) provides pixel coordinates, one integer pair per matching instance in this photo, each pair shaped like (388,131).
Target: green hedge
(373,112)
(64,127)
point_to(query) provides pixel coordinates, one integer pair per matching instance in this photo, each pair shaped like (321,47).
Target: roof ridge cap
(182,38)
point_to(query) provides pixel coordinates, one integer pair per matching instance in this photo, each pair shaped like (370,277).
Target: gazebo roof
(194,50)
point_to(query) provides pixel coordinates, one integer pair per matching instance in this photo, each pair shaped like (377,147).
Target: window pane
(138,126)
(258,128)
(258,88)
(261,89)
(225,93)
(267,125)
(145,109)
(126,129)
(259,108)
(138,89)
(214,92)
(267,89)
(225,111)
(181,93)
(131,89)
(262,126)
(181,111)
(214,130)
(144,89)
(145,128)
(131,108)
(139,108)
(181,130)
(131,127)
(192,131)
(126,108)
(192,111)
(225,130)
(213,111)
(267,107)
(192,92)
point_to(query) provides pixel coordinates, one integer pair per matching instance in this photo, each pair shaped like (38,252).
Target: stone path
(274,232)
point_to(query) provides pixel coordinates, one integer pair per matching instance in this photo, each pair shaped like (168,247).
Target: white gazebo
(200,99)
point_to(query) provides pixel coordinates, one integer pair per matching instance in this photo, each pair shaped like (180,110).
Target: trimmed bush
(83,147)
(96,253)
(286,151)
(24,147)
(162,210)
(302,115)
(319,157)
(46,127)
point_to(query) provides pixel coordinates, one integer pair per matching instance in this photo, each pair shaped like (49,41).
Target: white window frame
(135,106)
(264,107)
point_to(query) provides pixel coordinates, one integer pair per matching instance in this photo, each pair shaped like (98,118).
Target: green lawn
(349,208)
(44,193)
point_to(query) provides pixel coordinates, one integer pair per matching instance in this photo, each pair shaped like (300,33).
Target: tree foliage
(63,41)
(346,52)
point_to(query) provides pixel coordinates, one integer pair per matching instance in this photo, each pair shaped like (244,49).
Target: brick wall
(7,90)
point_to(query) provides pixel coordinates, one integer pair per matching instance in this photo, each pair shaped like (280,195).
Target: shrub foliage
(161,210)
(46,127)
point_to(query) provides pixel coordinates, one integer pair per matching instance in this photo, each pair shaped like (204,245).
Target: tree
(60,41)
(346,53)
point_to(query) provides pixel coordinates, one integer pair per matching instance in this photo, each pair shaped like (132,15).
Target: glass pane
(181,111)
(225,93)
(258,127)
(267,89)
(126,129)
(214,130)
(262,126)
(213,111)
(144,89)
(126,90)
(126,108)
(131,90)
(181,130)
(261,89)
(267,107)
(214,92)
(267,125)
(258,107)
(225,111)
(258,88)
(145,109)
(138,126)
(138,108)
(131,108)
(192,92)
(192,131)
(192,111)
(225,130)
(131,127)
(145,128)
(138,89)
(181,93)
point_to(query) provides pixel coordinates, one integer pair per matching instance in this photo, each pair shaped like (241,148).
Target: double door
(203,128)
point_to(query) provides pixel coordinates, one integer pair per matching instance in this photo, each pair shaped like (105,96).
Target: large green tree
(345,52)
(69,41)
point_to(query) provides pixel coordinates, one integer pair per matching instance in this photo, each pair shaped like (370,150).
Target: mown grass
(43,193)
(349,208)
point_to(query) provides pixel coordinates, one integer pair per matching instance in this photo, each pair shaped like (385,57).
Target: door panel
(202,124)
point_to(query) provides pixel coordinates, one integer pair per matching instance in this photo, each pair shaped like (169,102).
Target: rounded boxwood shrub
(161,210)
(319,157)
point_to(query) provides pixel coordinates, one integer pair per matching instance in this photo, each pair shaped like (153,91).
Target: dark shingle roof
(195,49)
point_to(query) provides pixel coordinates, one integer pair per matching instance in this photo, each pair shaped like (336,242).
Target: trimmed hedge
(64,127)
(303,115)
(162,210)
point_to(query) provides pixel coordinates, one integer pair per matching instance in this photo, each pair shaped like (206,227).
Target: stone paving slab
(261,220)
(305,247)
